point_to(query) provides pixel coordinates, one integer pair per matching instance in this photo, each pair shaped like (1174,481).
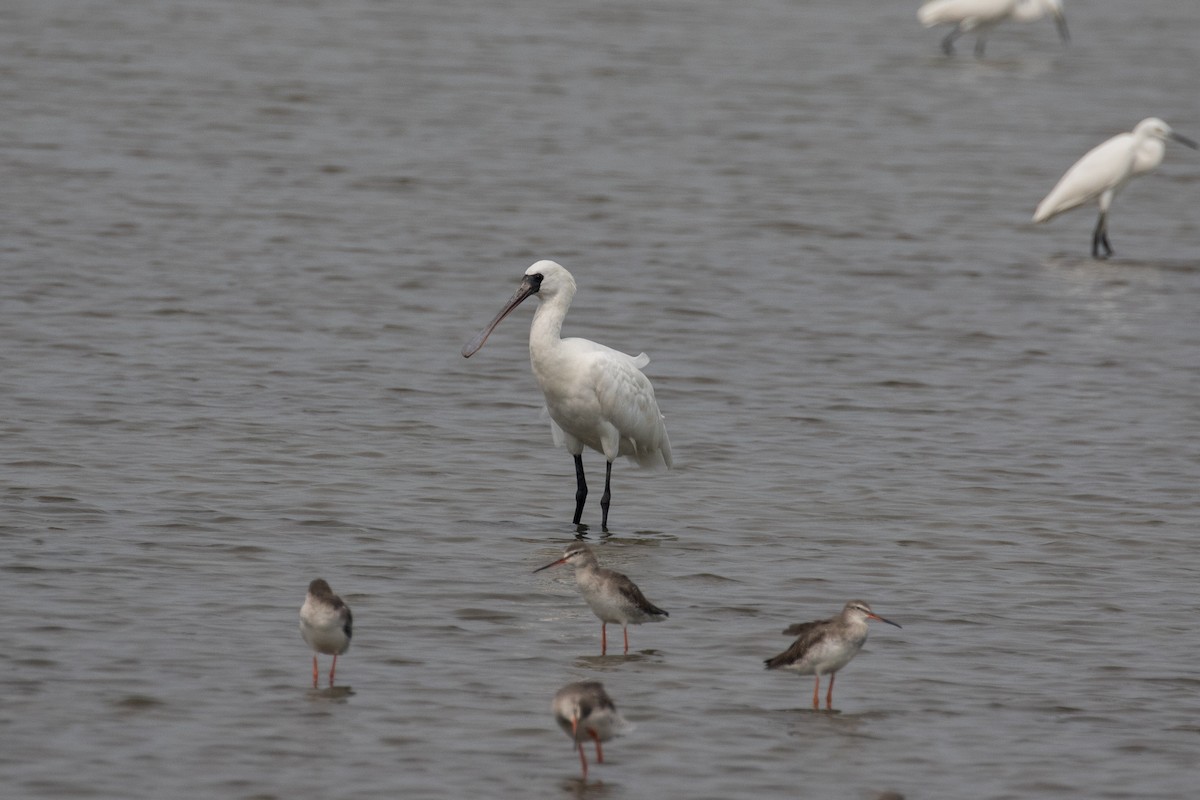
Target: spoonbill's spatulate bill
(1104,170)
(585,711)
(980,16)
(326,625)
(825,646)
(611,595)
(597,397)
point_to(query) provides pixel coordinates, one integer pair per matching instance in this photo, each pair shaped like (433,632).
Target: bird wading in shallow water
(980,16)
(597,397)
(825,646)
(326,624)
(611,596)
(585,711)
(1104,170)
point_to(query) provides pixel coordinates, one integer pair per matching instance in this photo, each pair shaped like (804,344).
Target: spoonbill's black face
(530,284)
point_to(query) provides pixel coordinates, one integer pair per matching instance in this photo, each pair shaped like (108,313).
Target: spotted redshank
(584,710)
(825,646)
(326,624)
(612,596)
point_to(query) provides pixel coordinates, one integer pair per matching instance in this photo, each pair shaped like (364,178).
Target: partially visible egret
(597,397)
(980,16)
(1103,170)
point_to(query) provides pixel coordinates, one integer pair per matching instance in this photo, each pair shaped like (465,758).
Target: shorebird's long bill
(881,619)
(1183,140)
(527,288)
(552,564)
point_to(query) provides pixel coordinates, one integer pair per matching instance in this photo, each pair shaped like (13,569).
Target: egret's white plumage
(980,16)
(597,397)
(1104,170)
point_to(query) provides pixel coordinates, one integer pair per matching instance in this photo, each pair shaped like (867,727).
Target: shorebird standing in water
(827,645)
(611,596)
(326,624)
(584,710)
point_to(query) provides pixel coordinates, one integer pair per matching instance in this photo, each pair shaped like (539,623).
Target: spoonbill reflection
(980,16)
(1103,170)
(597,397)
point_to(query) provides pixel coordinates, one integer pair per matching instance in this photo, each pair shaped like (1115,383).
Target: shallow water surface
(245,242)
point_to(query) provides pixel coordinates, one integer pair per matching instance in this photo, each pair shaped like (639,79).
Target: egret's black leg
(1100,238)
(606,497)
(948,42)
(980,44)
(580,488)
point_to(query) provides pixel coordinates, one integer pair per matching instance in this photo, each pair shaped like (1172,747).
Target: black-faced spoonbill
(584,710)
(1103,170)
(980,16)
(611,596)
(326,624)
(825,646)
(597,397)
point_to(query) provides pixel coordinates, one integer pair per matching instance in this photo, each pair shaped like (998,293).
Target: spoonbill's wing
(626,398)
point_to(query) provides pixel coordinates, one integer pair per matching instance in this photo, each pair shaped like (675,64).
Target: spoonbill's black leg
(580,488)
(606,497)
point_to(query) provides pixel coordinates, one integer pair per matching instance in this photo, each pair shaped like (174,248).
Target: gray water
(243,243)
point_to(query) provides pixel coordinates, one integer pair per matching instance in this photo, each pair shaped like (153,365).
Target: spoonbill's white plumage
(1104,170)
(980,16)
(597,397)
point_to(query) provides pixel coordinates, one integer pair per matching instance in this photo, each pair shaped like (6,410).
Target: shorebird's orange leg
(603,638)
(582,760)
(816,691)
(332,669)
(315,673)
(599,752)
(829,694)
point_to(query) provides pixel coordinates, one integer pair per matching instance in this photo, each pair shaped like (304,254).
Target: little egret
(1101,173)
(597,397)
(980,16)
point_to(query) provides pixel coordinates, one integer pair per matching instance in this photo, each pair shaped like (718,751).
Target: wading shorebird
(827,645)
(326,624)
(611,596)
(597,397)
(1104,170)
(584,710)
